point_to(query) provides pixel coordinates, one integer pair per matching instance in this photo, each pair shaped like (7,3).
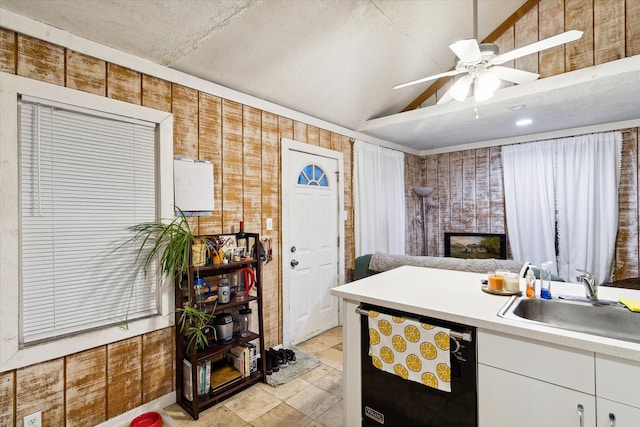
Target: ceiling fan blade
(425,79)
(513,75)
(445,98)
(547,43)
(466,50)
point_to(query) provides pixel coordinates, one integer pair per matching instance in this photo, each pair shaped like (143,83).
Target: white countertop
(456,296)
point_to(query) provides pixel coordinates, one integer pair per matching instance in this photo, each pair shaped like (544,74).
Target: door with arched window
(311,227)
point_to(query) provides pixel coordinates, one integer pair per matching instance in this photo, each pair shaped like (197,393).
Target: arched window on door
(312,175)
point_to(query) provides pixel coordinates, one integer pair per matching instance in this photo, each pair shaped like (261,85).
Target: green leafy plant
(193,323)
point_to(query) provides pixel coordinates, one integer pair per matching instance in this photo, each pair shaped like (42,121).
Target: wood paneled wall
(243,143)
(468,191)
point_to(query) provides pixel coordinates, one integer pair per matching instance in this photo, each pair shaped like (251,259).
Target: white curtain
(588,177)
(378,183)
(565,189)
(529,201)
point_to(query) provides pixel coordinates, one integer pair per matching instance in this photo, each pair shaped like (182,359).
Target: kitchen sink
(607,318)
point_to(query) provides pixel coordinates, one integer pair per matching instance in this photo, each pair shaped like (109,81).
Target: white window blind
(84,178)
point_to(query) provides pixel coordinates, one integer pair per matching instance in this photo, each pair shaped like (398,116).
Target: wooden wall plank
(285,128)
(349,244)
(579,16)
(336,141)
(210,149)
(628,239)
(124,84)
(271,291)
(41,388)
(550,23)
(414,234)
(231,166)
(468,220)
(313,135)
(430,167)
(506,43)
(7,398)
(325,139)
(252,169)
(40,60)
(483,219)
(608,33)
(444,198)
(300,131)
(86,73)
(496,197)
(526,32)
(124,376)
(7,51)
(455,195)
(184,104)
(632,28)
(86,387)
(156,93)
(158,350)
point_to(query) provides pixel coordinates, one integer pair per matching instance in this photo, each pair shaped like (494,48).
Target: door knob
(294,263)
(293,249)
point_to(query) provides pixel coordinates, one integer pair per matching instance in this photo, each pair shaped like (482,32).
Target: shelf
(184,294)
(219,348)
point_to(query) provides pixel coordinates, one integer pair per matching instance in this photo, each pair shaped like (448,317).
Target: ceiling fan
(481,63)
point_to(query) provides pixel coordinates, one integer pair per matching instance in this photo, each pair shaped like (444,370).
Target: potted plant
(171,242)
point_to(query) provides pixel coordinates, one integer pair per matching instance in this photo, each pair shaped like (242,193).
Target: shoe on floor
(291,356)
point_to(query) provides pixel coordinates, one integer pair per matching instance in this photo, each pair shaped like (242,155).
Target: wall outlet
(269,224)
(33,420)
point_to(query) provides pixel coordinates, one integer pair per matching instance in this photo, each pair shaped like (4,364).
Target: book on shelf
(223,376)
(203,374)
(253,358)
(241,357)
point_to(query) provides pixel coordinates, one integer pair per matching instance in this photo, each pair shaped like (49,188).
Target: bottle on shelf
(241,234)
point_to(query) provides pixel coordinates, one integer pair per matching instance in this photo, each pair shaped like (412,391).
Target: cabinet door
(506,399)
(623,415)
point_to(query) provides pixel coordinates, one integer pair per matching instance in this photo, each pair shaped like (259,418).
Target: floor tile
(332,417)
(280,416)
(285,391)
(312,401)
(332,382)
(315,374)
(251,403)
(331,357)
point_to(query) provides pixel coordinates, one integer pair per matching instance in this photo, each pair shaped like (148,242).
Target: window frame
(11,87)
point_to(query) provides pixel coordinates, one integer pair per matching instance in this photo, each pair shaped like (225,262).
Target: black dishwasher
(389,400)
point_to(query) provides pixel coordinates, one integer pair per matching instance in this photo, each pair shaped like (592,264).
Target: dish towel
(412,350)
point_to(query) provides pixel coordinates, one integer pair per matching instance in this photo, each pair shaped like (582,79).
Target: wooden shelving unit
(216,353)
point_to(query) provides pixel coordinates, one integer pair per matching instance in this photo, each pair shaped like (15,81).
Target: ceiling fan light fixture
(460,89)
(485,86)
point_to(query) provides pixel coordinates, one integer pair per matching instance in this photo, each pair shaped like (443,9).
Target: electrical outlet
(269,224)
(33,420)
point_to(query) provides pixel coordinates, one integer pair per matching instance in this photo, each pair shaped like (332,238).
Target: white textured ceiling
(333,60)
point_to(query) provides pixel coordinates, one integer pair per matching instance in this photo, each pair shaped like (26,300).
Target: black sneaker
(282,358)
(291,356)
(272,355)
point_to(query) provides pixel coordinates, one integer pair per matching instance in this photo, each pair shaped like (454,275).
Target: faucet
(590,285)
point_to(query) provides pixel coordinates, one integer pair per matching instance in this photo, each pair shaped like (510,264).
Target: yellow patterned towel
(412,350)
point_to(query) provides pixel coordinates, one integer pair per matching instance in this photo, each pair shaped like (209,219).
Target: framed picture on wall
(475,245)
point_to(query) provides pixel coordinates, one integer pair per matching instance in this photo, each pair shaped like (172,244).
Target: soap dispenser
(545,280)
(531,284)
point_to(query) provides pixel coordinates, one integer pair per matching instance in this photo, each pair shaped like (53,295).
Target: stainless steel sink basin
(608,320)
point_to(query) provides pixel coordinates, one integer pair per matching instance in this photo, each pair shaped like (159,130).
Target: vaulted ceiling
(333,60)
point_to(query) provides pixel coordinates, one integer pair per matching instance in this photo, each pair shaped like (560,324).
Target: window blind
(84,178)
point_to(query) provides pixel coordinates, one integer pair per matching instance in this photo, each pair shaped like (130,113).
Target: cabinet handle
(612,420)
(581,414)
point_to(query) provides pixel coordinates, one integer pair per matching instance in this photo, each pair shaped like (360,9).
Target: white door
(312,206)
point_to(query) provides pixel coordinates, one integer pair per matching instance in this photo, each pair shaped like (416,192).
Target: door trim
(288,145)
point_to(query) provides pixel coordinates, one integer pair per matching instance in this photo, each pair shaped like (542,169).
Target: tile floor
(313,399)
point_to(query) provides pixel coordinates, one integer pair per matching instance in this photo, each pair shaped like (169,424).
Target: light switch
(269,224)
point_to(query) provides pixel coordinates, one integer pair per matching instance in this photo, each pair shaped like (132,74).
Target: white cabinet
(523,383)
(506,399)
(615,414)
(618,391)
